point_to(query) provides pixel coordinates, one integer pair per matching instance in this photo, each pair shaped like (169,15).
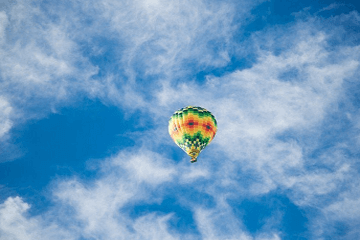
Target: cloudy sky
(87,89)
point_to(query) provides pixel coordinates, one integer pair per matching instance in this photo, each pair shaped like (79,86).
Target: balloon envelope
(192,129)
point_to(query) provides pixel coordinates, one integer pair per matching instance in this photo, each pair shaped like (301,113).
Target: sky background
(87,89)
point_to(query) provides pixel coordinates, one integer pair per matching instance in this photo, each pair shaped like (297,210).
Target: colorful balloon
(192,129)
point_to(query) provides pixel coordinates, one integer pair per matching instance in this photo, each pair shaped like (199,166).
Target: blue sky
(87,88)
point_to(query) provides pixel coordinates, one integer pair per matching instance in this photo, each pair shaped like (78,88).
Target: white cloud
(144,168)
(341,216)
(194,173)
(94,210)
(270,118)
(3,24)
(42,67)
(16,225)
(270,115)
(347,209)
(49,57)
(97,209)
(5,117)
(127,178)
(256,105)
(160,35)
(154,227)
(219,224)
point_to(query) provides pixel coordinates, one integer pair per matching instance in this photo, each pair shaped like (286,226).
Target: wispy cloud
(271,118)
(16,225)
(5,121)
(52,56)
(143,56)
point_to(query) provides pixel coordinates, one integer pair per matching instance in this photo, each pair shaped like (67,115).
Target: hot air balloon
(192,129)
